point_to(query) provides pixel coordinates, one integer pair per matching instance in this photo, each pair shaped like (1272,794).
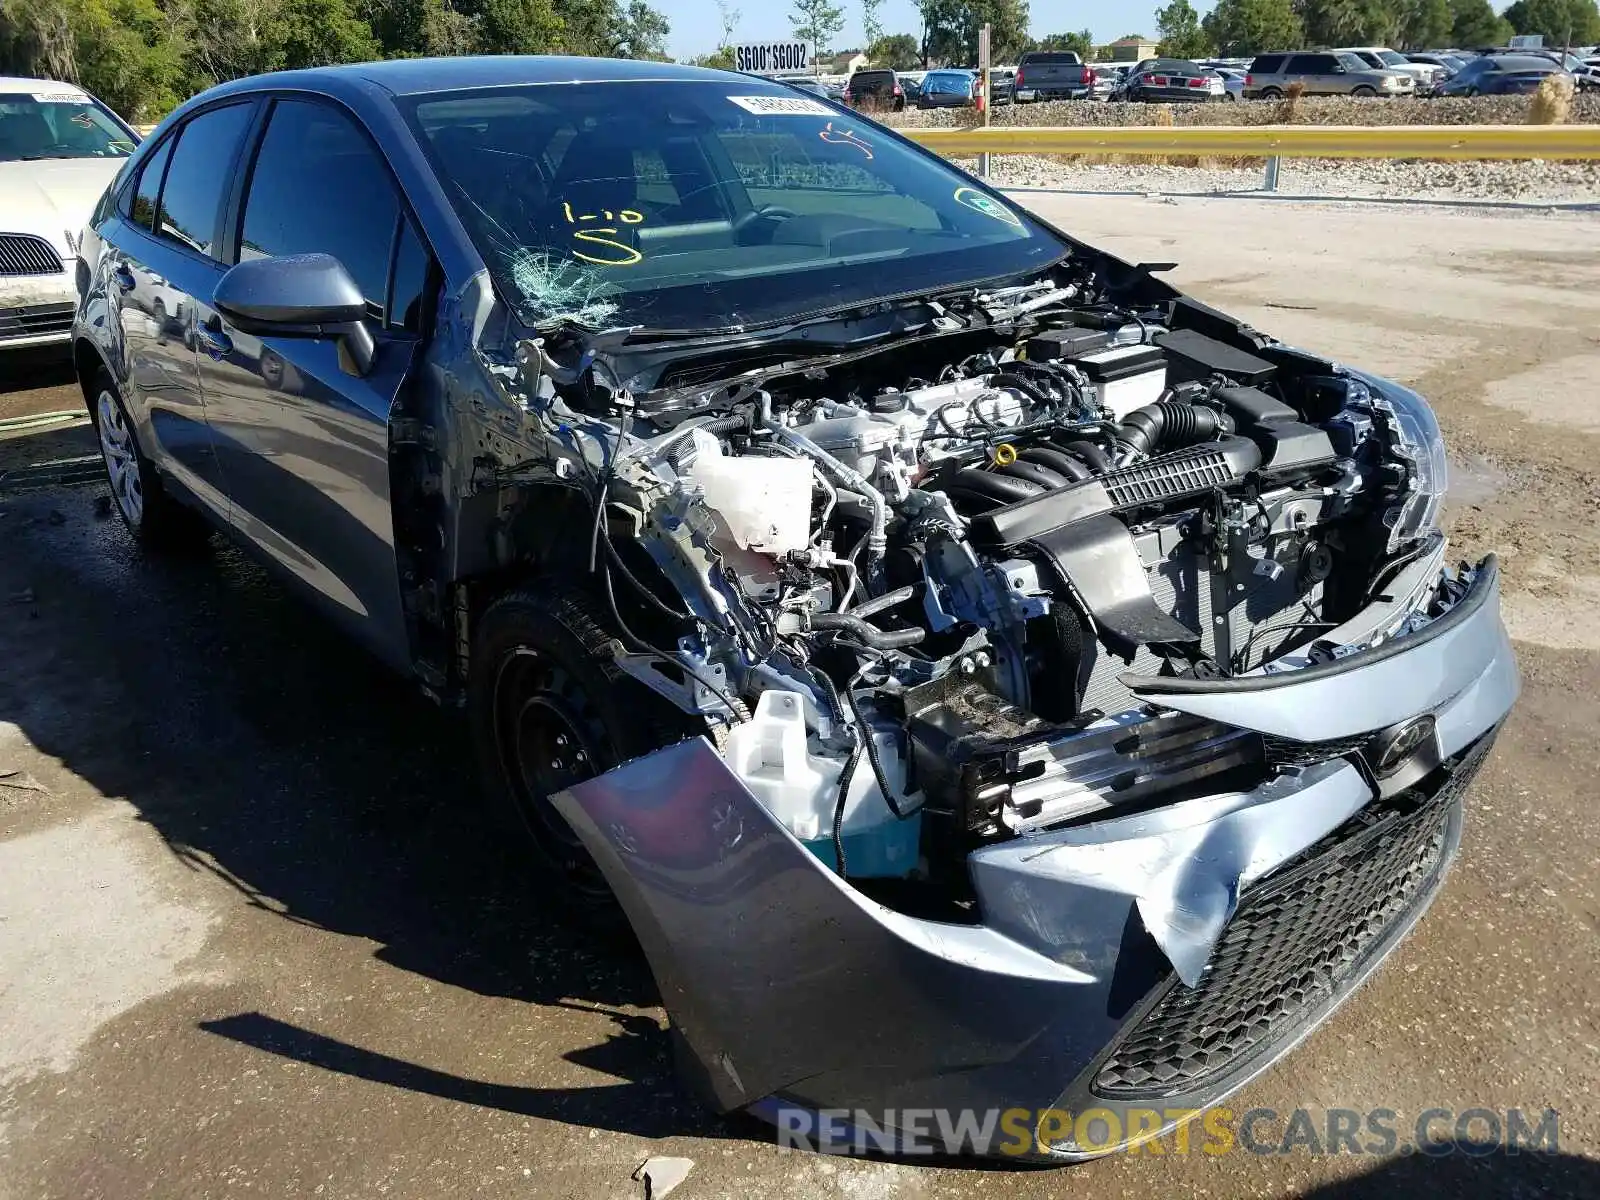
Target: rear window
(1065,58)
(875,78)
(1267,64)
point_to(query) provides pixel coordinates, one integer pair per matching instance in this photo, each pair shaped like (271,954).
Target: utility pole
(983,90)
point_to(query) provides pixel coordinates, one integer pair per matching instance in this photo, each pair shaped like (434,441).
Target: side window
(1267,64)
(143,209)
(198,176)
(408,292)
(318,185)
(1301,64)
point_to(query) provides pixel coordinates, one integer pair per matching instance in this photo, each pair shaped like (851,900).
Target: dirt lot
(255,938)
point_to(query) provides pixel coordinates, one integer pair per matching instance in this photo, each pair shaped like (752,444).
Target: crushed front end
(1087,697)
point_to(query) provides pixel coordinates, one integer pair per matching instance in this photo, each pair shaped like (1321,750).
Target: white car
(1427,75)
(59,148)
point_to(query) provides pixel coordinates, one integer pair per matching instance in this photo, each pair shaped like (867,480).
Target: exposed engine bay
(905,585)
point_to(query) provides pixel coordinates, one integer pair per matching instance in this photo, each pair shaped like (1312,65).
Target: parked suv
(1323,73)
(1053,75)
(875,89)
(1428,76)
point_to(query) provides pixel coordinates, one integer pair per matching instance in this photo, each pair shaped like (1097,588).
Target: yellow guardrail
(1275,141)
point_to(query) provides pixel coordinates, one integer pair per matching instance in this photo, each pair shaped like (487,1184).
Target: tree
(1474,23)
(1423,23)
(1562,22)
(897,51)
(871,21)
(951,27)
(1242,27)
(728,17)
(1347,22)
(317,33)
(1081,43)
(720,59)
(817,22)
(1181,34)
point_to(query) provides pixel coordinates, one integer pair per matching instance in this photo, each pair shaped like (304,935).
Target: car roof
(19,83)
(414,76)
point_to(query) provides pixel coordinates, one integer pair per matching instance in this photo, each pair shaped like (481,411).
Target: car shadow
(1464,1170)
(44,367)
(270,753)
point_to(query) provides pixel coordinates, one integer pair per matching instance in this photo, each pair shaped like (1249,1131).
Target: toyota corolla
(982,676)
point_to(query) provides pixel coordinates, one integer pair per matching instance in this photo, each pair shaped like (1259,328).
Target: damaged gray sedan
(983,677)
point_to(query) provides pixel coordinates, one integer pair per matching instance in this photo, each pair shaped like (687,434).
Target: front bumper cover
(788,986)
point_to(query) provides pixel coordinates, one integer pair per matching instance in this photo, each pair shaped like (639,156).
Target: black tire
(1364,90)
(548,708)
(154,518)
(1271,93)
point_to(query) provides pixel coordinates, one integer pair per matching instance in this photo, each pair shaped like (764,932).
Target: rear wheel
(141,500)
(1271,93)
(549,709)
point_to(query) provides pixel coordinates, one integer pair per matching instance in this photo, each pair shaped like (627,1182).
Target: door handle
(124,277)
(216,343)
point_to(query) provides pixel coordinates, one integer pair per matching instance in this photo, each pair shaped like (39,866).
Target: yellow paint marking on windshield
(615,253)
(844,137)
(628,255)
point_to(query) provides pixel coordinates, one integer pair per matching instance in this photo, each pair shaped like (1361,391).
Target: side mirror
(301,295)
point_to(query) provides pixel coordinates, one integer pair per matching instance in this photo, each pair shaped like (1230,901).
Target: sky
(697,28)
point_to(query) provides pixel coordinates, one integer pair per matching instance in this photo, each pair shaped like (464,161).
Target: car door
(304,443)
(1316,72)
(163,253)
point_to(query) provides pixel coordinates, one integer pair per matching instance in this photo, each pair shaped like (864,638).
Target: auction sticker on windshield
(987,205)
(782,106)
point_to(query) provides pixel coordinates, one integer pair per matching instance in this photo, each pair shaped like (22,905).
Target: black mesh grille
(22,254)
(1298,936)
(1284,752)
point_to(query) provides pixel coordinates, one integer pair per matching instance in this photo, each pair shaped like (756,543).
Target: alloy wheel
(122,459)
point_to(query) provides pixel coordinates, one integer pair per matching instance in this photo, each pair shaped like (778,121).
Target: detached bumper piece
(1300,939)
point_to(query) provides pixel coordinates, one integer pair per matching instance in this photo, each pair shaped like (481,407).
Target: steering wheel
(767,212)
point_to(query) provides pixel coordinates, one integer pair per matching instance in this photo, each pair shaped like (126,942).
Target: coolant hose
(868,635)
(1167,424)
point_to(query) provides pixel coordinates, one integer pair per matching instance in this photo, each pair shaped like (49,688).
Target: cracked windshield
(719,204)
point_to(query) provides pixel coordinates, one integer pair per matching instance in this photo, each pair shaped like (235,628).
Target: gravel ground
(1530,182)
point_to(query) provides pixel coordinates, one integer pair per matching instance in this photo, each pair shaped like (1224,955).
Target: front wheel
(1364,91)
(550,709)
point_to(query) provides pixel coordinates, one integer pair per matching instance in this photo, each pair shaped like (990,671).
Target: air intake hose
(1166,425)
